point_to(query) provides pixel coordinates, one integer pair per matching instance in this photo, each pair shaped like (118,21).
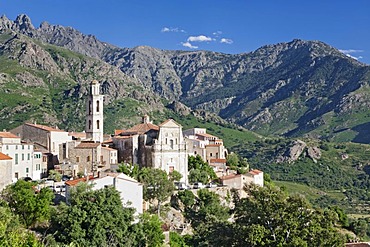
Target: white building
(94,113)
(130,190)
(21,154)
(5,170)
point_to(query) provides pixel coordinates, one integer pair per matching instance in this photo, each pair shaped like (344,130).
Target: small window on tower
(97,106)
(97,124)
(89,124)
(89,107)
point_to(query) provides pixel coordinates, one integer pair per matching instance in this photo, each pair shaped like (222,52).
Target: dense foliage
(30,206)
(199,170)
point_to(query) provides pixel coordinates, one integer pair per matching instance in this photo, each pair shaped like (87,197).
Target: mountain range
(297,88)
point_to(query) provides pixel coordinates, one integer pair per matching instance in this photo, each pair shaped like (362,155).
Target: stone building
(159,146)
(44,137)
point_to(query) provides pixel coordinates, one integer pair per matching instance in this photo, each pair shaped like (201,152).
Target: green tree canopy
(268,217)
(93,218)
(157,185)
(31,207)
(12,234)
(199,170)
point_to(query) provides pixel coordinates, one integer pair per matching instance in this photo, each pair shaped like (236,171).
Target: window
(27,169)
(23,147)
(29,147)
(16,159)
(7,147)
(16,146)
(97,124)
(77,159)
(89,107)
(210,154)
(38,167)
(44,159)
(171,144)
(28,156)
(16,175)
(101,158)
(88,158)
(97,106)
(89,124)
(22,156)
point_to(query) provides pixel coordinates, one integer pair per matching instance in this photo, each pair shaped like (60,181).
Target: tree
(55,175)
(12,234)
(129,169)
(149,231)
(157,185)
(175,176)
(269,217)
(176,240)
(30,206)
(199,170)
(93,218)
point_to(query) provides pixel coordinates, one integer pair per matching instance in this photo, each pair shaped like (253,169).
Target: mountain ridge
(293,88)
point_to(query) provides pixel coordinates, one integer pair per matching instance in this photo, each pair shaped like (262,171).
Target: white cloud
(217,33)
(200,38)
(226,41)
(349,53)
(172,29)
(189,45)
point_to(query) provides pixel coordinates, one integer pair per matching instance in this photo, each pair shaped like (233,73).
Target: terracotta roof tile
(88,145)
(231,176)
(44,127)
(74,182)
(254,172)
(218,160)
(8,135)
(5,157)
(142,128)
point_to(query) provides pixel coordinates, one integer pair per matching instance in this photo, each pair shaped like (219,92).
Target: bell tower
(94,113)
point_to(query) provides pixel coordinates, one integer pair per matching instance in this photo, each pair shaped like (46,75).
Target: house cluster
(31,150)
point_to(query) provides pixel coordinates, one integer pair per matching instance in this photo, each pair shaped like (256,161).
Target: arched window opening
(97,124)
(171,143)
(89,107)
(97,106)
(89,124)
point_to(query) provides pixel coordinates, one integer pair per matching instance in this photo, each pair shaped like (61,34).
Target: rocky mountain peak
(23,22)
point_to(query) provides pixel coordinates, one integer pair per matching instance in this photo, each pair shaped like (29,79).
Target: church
(160,146)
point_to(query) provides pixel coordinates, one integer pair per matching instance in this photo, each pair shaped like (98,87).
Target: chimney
(145,119)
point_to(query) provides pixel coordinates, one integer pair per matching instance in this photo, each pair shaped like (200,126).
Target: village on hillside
(31,151)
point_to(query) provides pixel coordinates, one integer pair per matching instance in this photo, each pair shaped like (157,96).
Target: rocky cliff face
(294,88)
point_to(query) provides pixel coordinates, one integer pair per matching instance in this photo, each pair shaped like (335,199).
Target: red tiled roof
(74,182)
(88,145)
(231,176)
(5,157)
(44,127)
(8,135)
(142,128)
(218,160)
(117,132)
(254,172)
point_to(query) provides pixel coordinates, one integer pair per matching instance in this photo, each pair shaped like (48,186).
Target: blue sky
(233,26)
